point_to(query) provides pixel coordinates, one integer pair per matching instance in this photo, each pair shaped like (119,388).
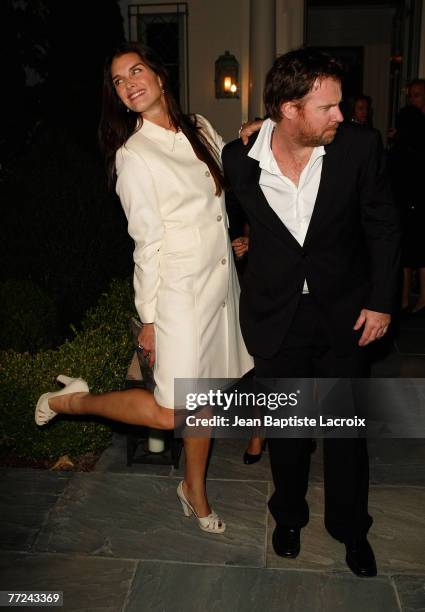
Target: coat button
(224,304)
(223,261)
(207,173)
(219,218)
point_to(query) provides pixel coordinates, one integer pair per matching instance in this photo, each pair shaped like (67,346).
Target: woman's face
(361,110)
(138,87)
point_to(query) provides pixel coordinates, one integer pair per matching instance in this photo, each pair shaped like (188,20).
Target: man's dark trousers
(306,352)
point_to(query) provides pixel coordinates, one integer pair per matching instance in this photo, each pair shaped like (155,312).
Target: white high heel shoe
(211,523)
(43,412)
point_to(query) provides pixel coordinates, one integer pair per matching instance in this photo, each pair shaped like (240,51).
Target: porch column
(262,49)
(289,25)
(421,72)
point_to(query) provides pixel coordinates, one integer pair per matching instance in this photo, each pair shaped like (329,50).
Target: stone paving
(115,539)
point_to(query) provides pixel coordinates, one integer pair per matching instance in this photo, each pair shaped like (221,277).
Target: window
(163,28)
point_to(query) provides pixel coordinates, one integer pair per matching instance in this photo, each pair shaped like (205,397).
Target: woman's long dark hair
(117,125)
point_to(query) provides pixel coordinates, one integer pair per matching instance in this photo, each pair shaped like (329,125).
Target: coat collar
(330,184)
(158,134)
(248,186)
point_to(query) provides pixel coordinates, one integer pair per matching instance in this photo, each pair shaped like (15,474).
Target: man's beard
(308,138)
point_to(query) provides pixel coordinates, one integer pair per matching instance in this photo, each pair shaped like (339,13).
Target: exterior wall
(367,27)
(214,27)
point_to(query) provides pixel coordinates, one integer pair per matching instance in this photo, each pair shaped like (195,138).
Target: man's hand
(249,128)
(375,325)
(146,340)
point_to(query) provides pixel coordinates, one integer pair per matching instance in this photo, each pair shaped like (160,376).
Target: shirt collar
(262,152)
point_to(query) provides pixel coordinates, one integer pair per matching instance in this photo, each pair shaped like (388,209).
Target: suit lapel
(251,192)
(328,188)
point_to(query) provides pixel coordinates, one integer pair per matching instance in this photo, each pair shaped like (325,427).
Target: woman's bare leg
(194,486)
(132,406)
(139,407)
(255,445)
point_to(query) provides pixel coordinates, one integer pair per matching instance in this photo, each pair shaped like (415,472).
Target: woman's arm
(139,199)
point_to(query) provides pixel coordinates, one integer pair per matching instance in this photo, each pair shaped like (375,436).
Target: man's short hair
(293,75)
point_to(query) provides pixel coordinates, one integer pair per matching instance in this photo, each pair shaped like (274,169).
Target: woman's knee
(166,417)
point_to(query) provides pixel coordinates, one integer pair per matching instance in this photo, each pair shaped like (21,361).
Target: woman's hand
(249,128)
(146,340)
(240,246)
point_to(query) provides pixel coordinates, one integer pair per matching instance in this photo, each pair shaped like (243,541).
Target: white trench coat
(184,277)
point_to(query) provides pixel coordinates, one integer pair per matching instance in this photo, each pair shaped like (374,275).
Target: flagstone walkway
(116,540)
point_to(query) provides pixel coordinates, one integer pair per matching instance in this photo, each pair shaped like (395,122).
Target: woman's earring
(128,110)
(162,90)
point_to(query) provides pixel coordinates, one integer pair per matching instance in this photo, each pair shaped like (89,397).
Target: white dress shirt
(293,204)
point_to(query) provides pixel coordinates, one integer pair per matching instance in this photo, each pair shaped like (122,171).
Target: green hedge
(100,353)
(28,317)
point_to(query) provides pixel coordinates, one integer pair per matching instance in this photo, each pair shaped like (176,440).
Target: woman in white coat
(167,171)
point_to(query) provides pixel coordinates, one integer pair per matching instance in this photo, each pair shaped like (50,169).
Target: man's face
(361,111)
(417,96)
(319,116)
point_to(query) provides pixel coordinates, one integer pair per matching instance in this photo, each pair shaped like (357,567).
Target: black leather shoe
(286,541)
(360,558)
(249,459)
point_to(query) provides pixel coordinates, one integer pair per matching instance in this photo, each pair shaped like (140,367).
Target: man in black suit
(321,277)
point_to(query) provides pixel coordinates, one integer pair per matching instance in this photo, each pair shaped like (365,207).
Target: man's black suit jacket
(350,256)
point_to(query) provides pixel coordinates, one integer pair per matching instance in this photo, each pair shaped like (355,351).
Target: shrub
(100,353)
(28,317)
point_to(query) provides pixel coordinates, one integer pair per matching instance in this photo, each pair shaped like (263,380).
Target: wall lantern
(227,76)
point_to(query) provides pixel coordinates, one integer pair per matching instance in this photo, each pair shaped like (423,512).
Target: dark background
(63,236)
